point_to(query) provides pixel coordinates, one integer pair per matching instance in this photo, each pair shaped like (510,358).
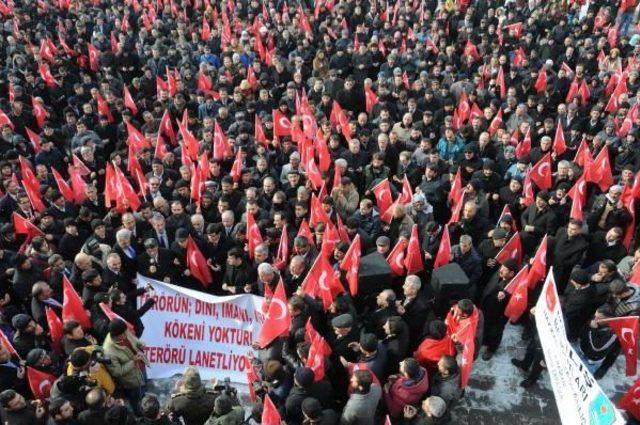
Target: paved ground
(494,396)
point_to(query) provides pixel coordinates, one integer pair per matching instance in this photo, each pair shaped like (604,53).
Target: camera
(98,356)
(228,390)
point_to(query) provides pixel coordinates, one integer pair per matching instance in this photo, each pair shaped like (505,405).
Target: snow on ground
(494,395)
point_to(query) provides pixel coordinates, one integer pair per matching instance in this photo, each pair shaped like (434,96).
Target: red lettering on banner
(189,331)
(232,311)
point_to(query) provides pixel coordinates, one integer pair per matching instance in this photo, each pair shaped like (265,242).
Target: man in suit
(160,232)
(137,228)
(568,249)
(114,277)
(156,263)
(537,220)
(127,252)
(413,309)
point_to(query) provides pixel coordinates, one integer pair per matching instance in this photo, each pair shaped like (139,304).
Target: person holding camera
(91,362)
(192,401)
(225,413)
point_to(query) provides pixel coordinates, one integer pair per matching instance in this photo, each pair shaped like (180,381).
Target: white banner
(579,398)
(192,328)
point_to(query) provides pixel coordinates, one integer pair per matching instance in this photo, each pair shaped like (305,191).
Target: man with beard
(493,301)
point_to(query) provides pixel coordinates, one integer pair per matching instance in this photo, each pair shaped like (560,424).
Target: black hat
(35,356)
(499,234)
(117,327)
(304,376)
(96,222)
(20,321)
(580,276)
(89,275)
(342,321)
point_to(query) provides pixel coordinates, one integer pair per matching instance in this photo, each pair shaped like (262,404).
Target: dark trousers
(532,358)
(493,330)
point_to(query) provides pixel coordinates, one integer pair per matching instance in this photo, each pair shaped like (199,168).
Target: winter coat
(123,368)
(403,391)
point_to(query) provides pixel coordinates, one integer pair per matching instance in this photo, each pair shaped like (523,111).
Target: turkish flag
(205,31)
(600,170)
(125,191)
(629,120)
(313,174)
(39,112)
(78,185)
(4,341)
(72,307)
(47,76)
(322,282)
(221,146)
(315,359)
(382,192)
(371,99)
(470,49)
(80,166)
(463,107)
(631,400)
(197,264)
(4,120)
(626,328)
(40,383)
(405,80)
(496,123)
(614,100)
(406,197)
(317,214)
(540,173)
(103,108)
(524,147)
(541,82)
(64,188)
(456,188)
(511,250)
(35,139)
(270,414)
(259,135)
(23,226)
(583,154)
(456,206)
(413,260)
(396,258)
(443,257)
(166,128)
(351,264)
(281,124)
(305,231)
(387,216)
(236,168)
(33,193)
(129,102)
(518,288)
(310,335)
(506,211)
(254,237)
(112,316)
(466,360)
(573,90)
(56,331)
(578,194)
(330,238)
(282,255)
(500,82)
(538,269)
(559,145)
(277,320)
(94,57)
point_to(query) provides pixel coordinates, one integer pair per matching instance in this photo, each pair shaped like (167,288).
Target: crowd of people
(269,138)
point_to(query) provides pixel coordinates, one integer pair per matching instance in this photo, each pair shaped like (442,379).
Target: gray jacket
(361,408)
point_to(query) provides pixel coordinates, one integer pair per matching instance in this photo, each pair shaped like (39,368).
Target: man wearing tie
(156,263)
(160,232)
